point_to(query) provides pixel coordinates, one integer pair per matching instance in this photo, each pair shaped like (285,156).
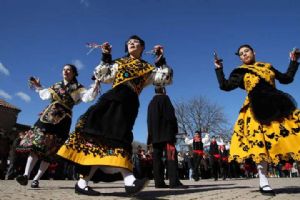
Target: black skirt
(270,104)
(60,130)
(112,118)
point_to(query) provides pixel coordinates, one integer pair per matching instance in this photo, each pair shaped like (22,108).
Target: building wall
(8,118)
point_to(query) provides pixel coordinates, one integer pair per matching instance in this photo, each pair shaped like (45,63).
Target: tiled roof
(4,104)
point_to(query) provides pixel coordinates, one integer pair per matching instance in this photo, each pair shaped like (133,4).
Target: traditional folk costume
(53,126)
(215,158)
(103,134)
(268,125)
(198,152)
(224,166)
(162,130)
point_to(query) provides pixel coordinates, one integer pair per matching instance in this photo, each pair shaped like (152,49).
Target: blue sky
(38,37)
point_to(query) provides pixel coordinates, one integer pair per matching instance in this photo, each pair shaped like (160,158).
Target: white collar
(66,82)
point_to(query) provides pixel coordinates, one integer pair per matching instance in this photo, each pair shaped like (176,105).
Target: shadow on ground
(288,190)
(160,194)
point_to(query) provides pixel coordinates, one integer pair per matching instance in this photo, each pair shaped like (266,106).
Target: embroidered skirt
(44,139)
(88,152)
(278,140)
(103,135)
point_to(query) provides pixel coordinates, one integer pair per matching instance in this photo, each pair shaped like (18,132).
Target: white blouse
(161,76)
(85,95)
(205,140)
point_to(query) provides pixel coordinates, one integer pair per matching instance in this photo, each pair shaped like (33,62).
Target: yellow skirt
(85,152)
(279,140)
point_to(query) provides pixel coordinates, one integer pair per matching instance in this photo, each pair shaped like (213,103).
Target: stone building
(8,120)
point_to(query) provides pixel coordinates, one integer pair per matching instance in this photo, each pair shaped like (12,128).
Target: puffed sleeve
(87,95)
(206,139)
(288,76)
(161,76)
(235,79)
(188,141)
(106,72)
(44,93)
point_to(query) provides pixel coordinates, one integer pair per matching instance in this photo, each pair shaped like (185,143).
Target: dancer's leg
(82,187)
(83,180)
(262,172)
(43,167)
(127,175)
(31,161)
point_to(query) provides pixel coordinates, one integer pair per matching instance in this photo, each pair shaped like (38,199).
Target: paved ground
(286,189)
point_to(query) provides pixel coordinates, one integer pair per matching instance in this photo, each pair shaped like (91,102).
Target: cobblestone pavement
(286,189)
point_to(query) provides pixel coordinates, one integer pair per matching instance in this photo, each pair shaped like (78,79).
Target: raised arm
(35,84)
(235,79)
(288,76)
(163,74)
(206,139)
(187,140)
(87,95)
(106,71)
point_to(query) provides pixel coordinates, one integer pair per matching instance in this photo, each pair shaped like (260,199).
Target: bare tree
(201,114)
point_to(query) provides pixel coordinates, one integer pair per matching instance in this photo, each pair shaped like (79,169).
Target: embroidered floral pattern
(63,93)
(43,144)
(264,142)
(54,113)
(95,148)
(134,70)
(257,141)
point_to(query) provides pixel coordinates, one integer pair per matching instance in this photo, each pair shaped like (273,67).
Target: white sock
(31,161)
(262,171)
(83,181)
(43,167)
(127,176)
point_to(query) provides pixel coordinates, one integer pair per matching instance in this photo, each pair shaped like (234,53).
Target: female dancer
(52,128)
(268,125)
(103,135)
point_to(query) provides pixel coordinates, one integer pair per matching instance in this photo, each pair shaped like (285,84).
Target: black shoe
(266,192)
(138,185)
(195,177)
(179,185)
(35,184)
(86,191)
(22,179)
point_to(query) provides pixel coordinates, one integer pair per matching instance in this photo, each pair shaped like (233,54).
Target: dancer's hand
(218,64)
(295,54)
(159,53)
(106,48)
(158,50)
(97,85)
(217,61)
(34,83)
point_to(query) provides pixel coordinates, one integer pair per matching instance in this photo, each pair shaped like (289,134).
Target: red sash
(199,152)
(217,156)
